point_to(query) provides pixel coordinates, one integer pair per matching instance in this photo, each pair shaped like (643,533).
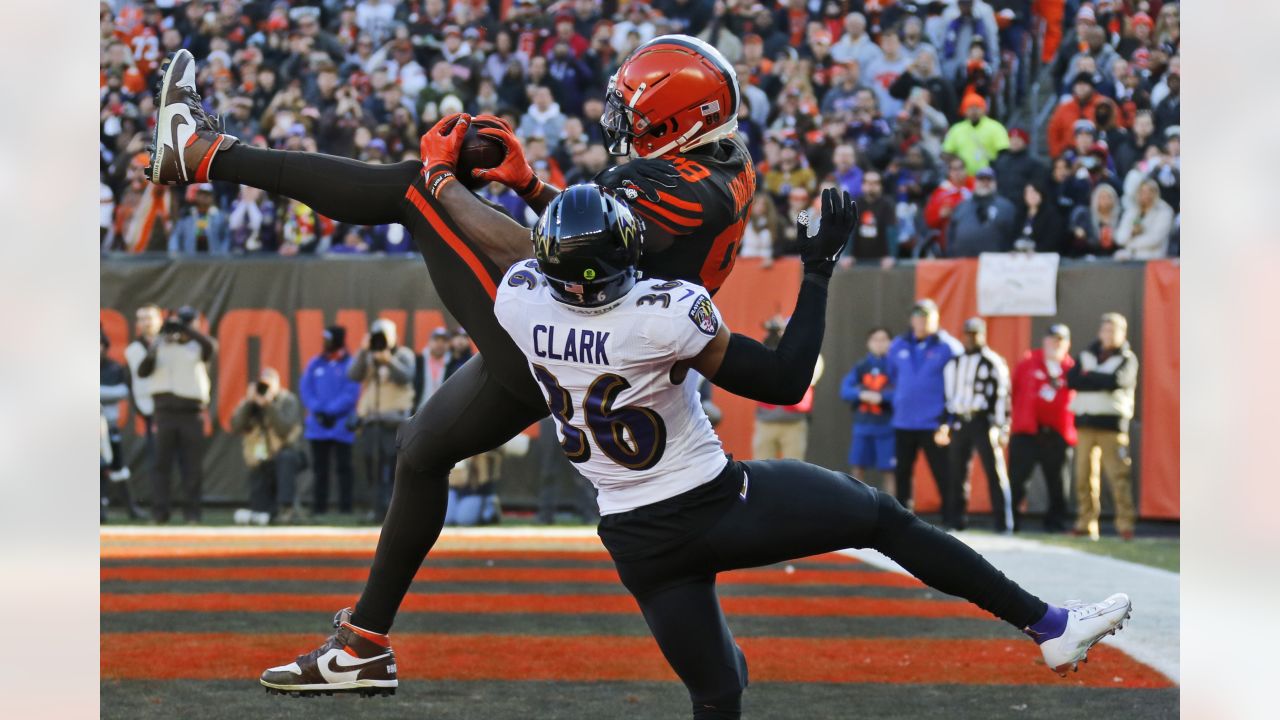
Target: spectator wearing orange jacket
(1043,429)
(1082,104)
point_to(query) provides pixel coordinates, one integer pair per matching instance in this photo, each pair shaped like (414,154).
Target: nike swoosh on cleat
(181,128)
(338,671)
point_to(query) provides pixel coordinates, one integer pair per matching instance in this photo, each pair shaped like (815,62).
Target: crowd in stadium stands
(962,126)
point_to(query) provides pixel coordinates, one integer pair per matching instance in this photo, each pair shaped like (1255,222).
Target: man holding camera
(177,371)
(270,421)
(330,398)
(385,373)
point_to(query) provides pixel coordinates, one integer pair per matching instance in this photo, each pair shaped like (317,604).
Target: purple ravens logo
(703,314)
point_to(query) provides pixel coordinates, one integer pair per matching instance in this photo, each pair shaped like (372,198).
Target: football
(478,152)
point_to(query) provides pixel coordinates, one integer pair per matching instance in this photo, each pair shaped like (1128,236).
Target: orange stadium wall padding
(271,311)
(1160,372)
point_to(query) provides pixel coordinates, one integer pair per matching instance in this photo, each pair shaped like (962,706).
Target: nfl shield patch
(703,314)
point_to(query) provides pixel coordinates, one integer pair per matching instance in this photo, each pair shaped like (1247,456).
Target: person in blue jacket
(916,361)
(330,399)
(867,388)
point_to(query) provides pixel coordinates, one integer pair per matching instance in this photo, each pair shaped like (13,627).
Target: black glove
(839,217)
(326,420)
(639,179)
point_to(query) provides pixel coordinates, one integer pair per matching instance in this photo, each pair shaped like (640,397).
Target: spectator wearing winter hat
(1080,105)
(1139,36)
(977,139)
(1016,168)
(986,222)
(330,397)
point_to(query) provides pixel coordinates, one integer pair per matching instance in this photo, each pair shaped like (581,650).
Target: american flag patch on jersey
(703,314)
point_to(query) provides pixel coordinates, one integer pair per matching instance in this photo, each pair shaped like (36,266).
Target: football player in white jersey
(611,349)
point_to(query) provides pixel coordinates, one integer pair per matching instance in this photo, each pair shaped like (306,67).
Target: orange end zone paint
(211,656)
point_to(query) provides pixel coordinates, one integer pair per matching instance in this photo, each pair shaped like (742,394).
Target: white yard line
(1058,574)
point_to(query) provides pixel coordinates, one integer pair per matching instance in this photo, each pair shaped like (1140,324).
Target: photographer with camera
(177,373)
(385,373)
(330,399)
(270,421)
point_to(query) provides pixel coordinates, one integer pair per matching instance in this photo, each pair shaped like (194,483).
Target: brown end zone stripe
(534,603)
(479,556)
(213,656)
(509,575)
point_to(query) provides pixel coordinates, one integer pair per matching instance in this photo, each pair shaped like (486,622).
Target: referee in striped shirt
(977,417)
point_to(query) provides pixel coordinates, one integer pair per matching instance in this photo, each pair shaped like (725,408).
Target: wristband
(530,190)
(437,180)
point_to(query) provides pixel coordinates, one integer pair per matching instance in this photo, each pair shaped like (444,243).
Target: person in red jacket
(1081,105)
(1043,430)
(957,188)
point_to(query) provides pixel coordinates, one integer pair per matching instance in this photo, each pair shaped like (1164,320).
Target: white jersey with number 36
(634,434)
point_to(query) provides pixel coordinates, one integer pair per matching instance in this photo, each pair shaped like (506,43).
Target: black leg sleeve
(947,564)
(345,190)
(795,509)
(690,628)
(470,414)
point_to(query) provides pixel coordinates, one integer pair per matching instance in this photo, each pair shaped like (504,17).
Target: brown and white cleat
(352,661)
(187,138)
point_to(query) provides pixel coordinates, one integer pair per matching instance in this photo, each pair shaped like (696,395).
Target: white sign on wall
(1018,284)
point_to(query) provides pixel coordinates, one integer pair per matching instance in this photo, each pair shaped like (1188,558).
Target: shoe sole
(1082,653)
(335,689)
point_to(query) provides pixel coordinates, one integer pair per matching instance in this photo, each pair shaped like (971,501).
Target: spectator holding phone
(330,396)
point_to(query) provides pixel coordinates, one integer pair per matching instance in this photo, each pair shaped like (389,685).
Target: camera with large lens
(378,341)
(263,388)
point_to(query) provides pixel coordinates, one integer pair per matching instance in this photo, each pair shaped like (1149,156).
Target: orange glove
(441,144)
(514,171)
